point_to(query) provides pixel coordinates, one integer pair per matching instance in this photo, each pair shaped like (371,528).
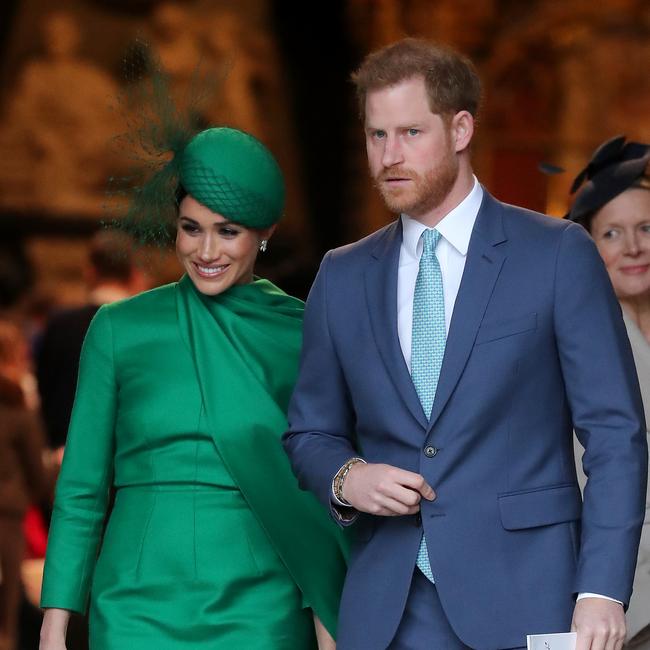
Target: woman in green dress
(179,409)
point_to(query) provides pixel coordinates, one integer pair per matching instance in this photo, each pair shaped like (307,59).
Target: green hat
(234,174)
(226,170)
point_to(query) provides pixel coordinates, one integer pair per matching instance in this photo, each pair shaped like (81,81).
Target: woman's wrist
(55,623)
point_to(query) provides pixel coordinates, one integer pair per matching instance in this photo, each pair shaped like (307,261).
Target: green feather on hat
(227,170)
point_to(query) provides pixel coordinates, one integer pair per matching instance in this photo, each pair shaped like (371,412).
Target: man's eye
(413,131)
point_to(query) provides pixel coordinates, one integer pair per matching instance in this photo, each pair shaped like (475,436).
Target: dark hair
(111,255)
(451,79)
(180,194)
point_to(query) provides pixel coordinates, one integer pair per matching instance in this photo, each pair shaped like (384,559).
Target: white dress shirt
(451,251)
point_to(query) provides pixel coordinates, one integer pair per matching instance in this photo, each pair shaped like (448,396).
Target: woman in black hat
(613,204)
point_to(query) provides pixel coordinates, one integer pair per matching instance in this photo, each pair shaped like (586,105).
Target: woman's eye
(189,228)
(610,234)
(646,228)
(379,134)
(228,232)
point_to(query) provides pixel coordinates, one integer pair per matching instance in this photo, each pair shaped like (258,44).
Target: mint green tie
(429,336)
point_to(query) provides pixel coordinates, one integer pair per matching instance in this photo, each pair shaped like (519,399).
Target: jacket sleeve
(603,393)
(319,440)
(82,492)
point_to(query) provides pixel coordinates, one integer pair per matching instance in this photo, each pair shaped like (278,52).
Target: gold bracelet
(340,477)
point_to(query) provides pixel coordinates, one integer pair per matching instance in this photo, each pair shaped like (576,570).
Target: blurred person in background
(23,478)
(110,275)
(613,204)
(39,305)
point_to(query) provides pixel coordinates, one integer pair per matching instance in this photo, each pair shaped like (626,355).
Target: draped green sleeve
(246,345)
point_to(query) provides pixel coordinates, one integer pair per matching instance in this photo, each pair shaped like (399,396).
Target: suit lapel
(381,296)
(484,261)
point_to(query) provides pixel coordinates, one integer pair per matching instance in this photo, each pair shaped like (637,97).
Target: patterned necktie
(428,342)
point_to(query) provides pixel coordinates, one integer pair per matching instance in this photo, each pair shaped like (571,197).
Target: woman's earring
(263,245)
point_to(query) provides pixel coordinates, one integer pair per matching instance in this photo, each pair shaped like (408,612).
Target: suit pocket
(540,507)
(491,331)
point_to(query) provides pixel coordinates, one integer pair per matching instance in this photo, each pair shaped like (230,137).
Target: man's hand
(385,490)
(600,624)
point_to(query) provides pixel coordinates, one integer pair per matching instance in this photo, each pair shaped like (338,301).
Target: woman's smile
(210,271)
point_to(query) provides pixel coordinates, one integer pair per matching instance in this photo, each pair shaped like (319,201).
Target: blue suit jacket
(536,347)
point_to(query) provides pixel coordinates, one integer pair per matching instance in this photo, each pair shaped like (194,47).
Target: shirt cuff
(345,515)
(588,595)
(338,502)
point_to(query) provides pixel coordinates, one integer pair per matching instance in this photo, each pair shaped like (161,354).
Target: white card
(562,641)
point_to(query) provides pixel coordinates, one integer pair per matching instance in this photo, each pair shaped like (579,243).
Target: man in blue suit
(447,359)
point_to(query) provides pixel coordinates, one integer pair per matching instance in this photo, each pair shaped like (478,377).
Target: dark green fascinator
(234,174)
(173,154)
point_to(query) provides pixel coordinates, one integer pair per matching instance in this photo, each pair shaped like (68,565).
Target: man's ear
(462,130)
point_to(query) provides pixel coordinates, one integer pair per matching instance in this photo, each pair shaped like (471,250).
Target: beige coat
(638,615)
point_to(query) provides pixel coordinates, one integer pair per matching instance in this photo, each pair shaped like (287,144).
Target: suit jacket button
(430,451)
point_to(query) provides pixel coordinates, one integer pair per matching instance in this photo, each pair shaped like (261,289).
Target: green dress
(209,544)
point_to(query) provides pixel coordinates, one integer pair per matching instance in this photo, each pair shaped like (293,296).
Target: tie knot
(430,238)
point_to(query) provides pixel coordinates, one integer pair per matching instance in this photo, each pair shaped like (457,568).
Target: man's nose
(392,154)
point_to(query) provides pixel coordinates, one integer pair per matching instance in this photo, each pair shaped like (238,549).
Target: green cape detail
(246,344)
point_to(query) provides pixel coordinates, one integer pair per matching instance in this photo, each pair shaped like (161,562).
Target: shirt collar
(456,226)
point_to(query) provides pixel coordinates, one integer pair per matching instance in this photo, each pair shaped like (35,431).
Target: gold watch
(339,479)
